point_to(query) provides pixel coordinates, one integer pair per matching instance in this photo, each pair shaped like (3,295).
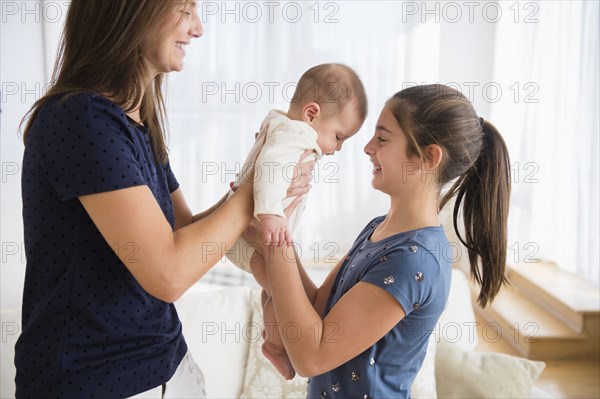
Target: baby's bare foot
(279,358)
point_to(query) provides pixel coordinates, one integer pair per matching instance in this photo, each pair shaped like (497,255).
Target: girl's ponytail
(484,192)
(475,158)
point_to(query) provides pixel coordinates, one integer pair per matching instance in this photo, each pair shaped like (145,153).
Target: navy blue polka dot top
(89,329)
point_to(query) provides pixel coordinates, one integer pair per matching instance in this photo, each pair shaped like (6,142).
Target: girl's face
(394,171)
(167,47)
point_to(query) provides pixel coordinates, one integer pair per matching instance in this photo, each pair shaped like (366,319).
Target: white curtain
(551,126)
(240,69)
(542,55)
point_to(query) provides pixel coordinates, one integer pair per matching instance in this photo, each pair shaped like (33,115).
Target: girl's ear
(433,155)
(310,111)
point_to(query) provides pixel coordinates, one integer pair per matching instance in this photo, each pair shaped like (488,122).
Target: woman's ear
(433,155)
(310,111)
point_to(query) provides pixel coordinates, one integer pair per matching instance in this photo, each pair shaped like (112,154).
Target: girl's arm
(316,296)
(322,295)
(360,318)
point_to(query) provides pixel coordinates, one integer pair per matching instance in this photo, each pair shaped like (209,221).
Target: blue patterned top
(415,268)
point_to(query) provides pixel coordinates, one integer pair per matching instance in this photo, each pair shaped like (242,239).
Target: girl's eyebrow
(383,128)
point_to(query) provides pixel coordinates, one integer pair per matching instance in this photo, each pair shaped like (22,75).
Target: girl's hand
(302,176)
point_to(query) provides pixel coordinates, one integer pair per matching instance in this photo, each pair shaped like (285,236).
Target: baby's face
(335,129)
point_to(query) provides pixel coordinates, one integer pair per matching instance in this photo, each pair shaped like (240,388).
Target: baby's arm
(273,230)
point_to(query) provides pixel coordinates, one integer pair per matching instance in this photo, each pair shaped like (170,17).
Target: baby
(328,107)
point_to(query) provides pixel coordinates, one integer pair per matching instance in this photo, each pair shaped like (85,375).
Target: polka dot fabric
(89,329)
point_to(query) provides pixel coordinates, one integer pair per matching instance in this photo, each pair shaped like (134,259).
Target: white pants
(187,382)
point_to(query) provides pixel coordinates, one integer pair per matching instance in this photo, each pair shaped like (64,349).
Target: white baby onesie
(284,141)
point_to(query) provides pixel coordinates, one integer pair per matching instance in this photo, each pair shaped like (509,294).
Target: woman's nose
(196,29)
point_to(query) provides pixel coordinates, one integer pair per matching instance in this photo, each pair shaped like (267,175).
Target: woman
(364,332)
(110,240)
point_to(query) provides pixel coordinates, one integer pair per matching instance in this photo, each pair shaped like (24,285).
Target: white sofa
(222,328)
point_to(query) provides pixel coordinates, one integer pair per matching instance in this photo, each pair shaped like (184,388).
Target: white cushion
(538,393)
(11,329)
(424,385)
(216,326)
(469,374)
(457,323)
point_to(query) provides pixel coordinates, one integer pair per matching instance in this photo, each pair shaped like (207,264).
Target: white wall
(466,59)
(23,78)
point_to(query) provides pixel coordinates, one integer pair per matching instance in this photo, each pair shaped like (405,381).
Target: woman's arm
(358,320)
(302,176)
(183,214)
(166,262)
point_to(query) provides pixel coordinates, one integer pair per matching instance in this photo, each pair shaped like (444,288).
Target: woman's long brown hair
(476,157)
(102,51)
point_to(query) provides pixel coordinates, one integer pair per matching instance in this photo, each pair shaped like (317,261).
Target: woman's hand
(300,185)
(300,180)
(273,229)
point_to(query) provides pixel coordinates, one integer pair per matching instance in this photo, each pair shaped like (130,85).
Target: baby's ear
(310,111)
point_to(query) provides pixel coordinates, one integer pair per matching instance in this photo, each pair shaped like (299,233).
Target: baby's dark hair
(332,86)
(475,163)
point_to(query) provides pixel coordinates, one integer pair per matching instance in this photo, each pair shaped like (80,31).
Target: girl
(110,240)
(364,332)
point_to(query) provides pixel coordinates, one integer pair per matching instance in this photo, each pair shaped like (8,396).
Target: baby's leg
(272,348)
(259,271)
